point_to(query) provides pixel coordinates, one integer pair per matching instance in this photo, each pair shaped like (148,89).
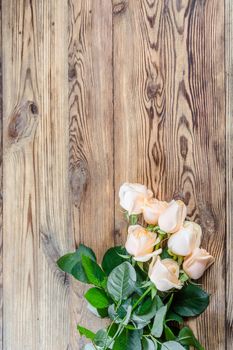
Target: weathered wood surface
(170,108)
(20,217)
(229,169)
(90,137)
(35,179)
(1,196)
(96,93)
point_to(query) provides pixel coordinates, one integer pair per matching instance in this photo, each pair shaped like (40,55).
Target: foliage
(142,318)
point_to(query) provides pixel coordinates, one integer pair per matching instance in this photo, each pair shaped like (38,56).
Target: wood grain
(1,191)
(36,313)
(91,136)
(169,103)
(96,93)
(229,168)
(52,166)
(20,224)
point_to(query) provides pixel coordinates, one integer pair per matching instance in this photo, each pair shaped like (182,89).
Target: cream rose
(152,209)
(184,241)
(140,243)
(164,274)
(195,264)
(132,197)
(172,219)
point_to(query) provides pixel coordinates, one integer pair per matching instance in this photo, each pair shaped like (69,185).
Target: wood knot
(23,122)
(151,113)
(72,74)
(33,108)
(119,7)
(79,177)
(152,89)
(183,147)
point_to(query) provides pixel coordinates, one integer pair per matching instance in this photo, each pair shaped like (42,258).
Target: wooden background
(95,93)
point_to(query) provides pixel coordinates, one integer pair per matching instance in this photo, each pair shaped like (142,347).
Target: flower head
(172,219)
(195,264)
(165,274)
(140,243)
(133,196)
(184,241)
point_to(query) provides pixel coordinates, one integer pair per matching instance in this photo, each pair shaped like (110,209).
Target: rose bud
(195,264)
(152,209)
(172,219)
(132,197)
(140,243)
(164,274)
(184,241)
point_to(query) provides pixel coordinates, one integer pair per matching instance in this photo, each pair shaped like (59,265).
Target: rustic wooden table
(93,94)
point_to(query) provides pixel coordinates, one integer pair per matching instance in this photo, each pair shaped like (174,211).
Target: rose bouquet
(145,288)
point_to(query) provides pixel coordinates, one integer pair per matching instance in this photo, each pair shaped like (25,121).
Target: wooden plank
(36,312)
(52,179)
(91,137)
(169,112)
(1,192)
(229,168)
(20,225)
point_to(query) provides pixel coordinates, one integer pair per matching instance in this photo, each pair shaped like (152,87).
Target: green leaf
(112,258)
(94,273)
(155,306)
(172,345)
(121,341)
(153,292)
(191,301)
(127,316)
(119,314)
(102,339)
(169,335)
(86,332)
(145,307)
(148,344)
(142,320)
(184,277)
(172,316)
(112,329)
(128,340)
(113,315)
(102,312)
(157,328)
(152,228)
(79,274)
(170,301)
(97,298)
(133,219)
(165,254)
(72,262)
(68,261)
(186,337)
(121,281)
(141,276)
(130,327)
